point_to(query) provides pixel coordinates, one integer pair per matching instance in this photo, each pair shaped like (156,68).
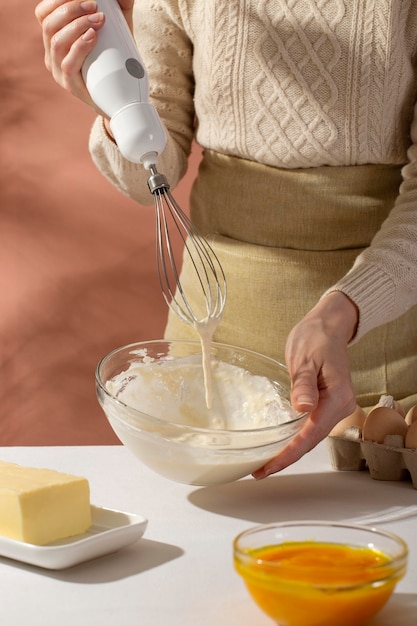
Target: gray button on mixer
(135,68)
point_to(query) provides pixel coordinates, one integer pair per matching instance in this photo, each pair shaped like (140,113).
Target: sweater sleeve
(167,55)
(383,279)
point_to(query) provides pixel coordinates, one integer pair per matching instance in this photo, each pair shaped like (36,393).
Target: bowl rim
(184,427)
(396,562)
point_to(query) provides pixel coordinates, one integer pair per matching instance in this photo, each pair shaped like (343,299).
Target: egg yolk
(317,584)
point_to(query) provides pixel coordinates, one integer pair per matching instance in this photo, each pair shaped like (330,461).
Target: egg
(398,407)
(356,418)
(411,436)
(411,415)
(389,401)
(382,421)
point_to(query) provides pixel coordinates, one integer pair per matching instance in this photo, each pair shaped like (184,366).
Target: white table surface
(181,573)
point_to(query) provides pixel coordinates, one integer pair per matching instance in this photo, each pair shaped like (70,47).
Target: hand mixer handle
(118,84)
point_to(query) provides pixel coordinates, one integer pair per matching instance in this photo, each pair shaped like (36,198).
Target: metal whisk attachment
(206,295)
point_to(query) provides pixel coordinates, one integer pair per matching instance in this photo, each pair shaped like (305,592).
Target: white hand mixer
(117,82)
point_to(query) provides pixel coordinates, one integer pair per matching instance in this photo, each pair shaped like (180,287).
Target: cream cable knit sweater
(292,84)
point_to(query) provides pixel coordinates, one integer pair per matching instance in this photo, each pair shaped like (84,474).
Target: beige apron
(285,236)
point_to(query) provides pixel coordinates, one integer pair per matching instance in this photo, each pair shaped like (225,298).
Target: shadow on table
(130,561)
(326,496)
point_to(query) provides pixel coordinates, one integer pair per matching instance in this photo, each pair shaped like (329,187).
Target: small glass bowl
(313,573)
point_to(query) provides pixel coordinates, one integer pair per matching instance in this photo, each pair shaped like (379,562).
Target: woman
(308,184)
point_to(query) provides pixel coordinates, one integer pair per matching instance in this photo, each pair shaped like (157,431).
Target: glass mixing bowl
(312,573)
(165,421)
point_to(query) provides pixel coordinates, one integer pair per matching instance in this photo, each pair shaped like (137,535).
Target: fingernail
(95,18)
(89,6)
(305,400)
(262,473)
(89,35)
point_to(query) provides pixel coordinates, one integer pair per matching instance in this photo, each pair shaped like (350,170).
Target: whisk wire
(209,287)
(166,263)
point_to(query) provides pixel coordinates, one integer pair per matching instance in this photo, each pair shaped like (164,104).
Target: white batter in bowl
(154,397)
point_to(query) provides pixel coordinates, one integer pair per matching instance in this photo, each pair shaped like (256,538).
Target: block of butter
(40,506)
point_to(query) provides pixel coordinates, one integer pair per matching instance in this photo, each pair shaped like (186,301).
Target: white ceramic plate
(110,530)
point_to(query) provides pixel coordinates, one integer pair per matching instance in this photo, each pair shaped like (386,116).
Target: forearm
(131,178)
(383,280)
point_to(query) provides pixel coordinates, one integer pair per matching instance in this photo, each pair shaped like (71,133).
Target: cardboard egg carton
(387,461)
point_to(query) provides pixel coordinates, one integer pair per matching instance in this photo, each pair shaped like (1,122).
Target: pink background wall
(77,267)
